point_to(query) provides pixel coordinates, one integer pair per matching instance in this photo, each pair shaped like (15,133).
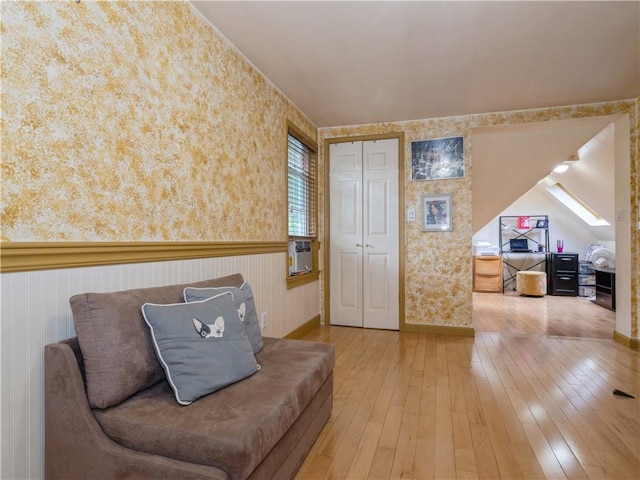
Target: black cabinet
(562,274)
(606,288)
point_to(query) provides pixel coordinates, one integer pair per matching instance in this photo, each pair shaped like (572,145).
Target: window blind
(302,189)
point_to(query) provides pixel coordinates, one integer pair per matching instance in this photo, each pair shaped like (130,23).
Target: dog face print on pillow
(212,330)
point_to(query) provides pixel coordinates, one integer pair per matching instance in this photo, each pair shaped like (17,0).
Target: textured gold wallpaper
(136,121)
(438,271)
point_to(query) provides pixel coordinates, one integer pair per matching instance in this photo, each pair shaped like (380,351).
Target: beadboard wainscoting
(35,312)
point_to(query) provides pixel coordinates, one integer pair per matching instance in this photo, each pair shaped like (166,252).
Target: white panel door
(345,279)
(380,234)
(364,249)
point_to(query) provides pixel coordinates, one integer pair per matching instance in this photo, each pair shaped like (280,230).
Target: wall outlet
(263,320)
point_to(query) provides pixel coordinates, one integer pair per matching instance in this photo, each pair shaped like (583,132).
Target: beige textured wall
(136,121)
(438,265)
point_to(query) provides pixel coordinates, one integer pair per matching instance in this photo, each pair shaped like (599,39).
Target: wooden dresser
(487,273)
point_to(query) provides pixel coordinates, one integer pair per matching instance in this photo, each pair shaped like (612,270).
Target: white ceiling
(359,62)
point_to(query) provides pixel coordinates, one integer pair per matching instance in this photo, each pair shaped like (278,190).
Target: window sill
(302,279)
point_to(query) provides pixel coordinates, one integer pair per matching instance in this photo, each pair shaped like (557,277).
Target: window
(301,203)
(576,205)
(301,177)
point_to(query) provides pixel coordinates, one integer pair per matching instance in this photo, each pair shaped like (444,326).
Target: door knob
(358,244)
(369,245)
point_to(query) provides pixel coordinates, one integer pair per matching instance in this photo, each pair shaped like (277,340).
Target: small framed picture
(436,213)
(544,223)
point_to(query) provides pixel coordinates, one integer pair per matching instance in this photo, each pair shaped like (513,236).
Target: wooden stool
(532,283)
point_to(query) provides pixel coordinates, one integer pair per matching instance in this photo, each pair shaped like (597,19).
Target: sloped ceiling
(592,180)
(509,160)
(348,63)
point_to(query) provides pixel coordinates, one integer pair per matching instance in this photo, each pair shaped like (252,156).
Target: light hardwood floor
(504,404)
(511,313)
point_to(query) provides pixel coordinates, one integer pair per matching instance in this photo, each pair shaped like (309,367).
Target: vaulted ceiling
(359,62)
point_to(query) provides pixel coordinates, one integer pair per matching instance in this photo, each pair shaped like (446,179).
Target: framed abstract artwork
(437,159)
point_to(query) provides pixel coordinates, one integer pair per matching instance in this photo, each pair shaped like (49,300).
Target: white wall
(35,312)
(623,226)
(562,224)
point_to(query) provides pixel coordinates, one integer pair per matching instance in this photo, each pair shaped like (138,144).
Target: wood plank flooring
(511,313)
(501,405)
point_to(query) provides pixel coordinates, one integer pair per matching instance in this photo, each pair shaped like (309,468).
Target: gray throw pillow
(202,346)
(243,297)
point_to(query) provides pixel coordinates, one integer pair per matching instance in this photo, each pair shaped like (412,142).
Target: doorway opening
(597,166)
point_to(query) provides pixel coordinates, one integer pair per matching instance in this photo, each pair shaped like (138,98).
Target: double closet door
(364,234)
